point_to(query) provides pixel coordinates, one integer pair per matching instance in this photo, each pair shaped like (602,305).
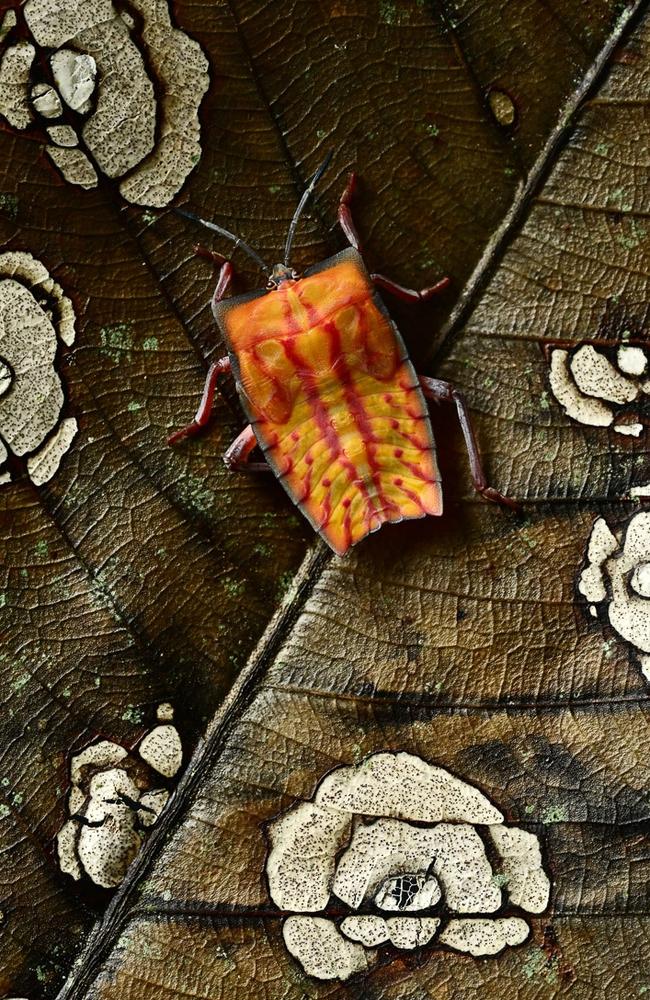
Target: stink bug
(332,398)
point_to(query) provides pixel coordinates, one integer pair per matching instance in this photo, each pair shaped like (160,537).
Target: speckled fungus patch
(112,803)
(401,844)
(35,318)
(616,581)
(600,386)
(117,93)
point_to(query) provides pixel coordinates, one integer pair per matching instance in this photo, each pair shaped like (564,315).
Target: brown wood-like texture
(462,640)
(141,574)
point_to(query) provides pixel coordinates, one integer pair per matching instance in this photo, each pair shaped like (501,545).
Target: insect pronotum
(333,400)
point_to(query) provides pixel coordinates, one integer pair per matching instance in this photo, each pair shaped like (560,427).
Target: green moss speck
(41,549)
(132,714)
(555,814)
(196,495)
(388,12)
(150,344)
(284,582)
(133,406)
(539,964)
(233,587)
(116,342)
(9,204)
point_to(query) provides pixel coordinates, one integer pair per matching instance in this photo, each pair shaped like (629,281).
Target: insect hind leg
(440,391)
(236,457)
(204,412)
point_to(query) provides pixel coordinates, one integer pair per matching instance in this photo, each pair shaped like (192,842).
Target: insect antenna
(301,204)
(229,236)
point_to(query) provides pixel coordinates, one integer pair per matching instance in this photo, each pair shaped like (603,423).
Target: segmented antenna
(301,204)
(229,236)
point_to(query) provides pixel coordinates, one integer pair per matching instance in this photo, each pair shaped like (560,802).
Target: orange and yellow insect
(332,398)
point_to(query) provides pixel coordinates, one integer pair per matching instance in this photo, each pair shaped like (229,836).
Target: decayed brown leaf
(139,575)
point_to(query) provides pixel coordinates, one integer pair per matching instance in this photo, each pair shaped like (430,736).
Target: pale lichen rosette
(36,321)
(115,797)
(602,386)
(616,581)
(117,91)
(395,851)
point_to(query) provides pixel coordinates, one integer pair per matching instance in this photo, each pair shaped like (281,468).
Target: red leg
(237,455)
(347,225)
(409,294)
(202,416)
(441,391)
(346,221)
(225,272)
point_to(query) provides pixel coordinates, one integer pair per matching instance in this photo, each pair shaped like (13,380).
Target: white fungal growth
(406,787)
(74,75)
(527,884)
(35,316)
(484,937)
(74,165)
(302,860)
(15,69)
(632,360)
(104,754)
(151,804)
(399,835)
(62,135)
(595,376)
(595,391)
(111,805)
(9,21)
(121,77)
(616,580)
(46,101)
(162,750)
(402,932)
(322,951)
(45,462)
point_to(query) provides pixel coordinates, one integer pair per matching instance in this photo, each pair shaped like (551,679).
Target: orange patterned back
(334,401)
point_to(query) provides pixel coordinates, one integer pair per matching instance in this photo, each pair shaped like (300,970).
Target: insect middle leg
(440,391)
(220,367)
(204,412)
(346,223)
(237,455)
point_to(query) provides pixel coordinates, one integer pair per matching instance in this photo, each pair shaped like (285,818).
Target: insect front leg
(226,272)
(204,412)
(237,455)
(346,221)
(440,391)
